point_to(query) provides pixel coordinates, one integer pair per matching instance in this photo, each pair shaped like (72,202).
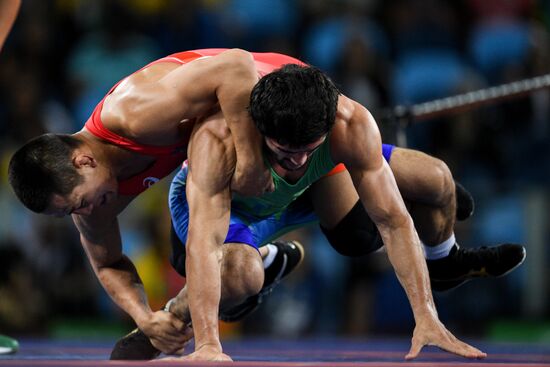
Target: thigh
(333,197)
(418,175)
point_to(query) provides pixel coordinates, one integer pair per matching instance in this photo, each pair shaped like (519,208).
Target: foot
(134,346)
(464,264)
(289,256)
(464,202)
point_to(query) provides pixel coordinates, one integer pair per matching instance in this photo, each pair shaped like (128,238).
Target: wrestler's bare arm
(356,142)
(359,146)
(8,14)
(211,163)
(100,237)
(197,89)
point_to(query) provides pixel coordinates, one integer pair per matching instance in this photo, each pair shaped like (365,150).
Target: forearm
(123,284)
(405,254)
(204,290)
(248,142)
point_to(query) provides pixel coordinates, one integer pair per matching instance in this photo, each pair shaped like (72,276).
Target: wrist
(207,337)
(143,318)
(426,311)
(211,346)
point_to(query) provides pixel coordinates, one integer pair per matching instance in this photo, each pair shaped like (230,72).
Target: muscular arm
(100,237)
(356,142)
(8,13)
(208,193)
(196,89)
(379,194)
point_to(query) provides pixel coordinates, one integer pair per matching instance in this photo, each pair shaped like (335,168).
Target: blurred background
(63,56)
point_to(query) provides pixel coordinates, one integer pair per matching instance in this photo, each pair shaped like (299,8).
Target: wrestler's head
(58,175)
(294,105)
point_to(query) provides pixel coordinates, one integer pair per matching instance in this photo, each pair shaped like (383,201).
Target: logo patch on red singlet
(150,181)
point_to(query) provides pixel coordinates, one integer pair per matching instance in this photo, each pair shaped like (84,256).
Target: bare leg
(427,186)
(242,276)
(425,182)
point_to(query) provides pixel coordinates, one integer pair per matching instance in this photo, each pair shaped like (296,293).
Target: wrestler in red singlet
(168,158)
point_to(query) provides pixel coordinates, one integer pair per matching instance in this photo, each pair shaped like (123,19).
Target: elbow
(394,221)
(239,55)
(198,247)
(118,262)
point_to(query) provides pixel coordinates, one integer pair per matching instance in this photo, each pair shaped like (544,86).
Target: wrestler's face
(292,158)
(98,188)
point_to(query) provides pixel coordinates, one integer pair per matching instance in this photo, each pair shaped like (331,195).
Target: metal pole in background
(402,116)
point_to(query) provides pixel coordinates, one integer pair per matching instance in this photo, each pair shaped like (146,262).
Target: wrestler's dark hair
(294,105)
(43,167)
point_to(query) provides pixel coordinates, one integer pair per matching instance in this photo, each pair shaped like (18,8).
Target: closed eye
(82,205)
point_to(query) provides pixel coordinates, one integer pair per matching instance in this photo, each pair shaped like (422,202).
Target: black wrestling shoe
(464,264)
(134,346)
(464,202)
(289,256)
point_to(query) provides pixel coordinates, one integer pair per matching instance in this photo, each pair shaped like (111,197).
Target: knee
(444,192)
(242,272)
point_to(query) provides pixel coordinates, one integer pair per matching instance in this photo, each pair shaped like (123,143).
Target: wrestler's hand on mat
(252,179)
(430,331)
(208,352)
(166,332)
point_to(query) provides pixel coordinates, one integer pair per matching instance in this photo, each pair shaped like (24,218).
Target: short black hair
(295,105)
(43,167)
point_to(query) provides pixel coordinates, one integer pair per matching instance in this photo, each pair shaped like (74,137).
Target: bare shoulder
(153,104)
(355,133)
(137,102)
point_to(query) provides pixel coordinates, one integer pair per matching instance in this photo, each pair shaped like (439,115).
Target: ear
(81,160)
